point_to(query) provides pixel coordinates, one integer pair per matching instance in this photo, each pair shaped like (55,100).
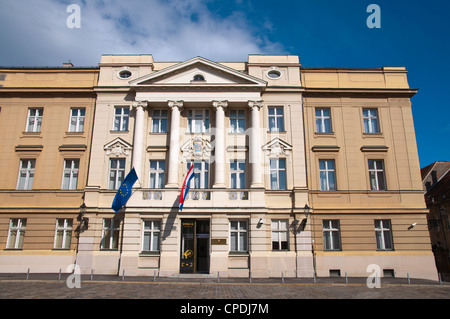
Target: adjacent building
(436,183)
(46,119)
(298,172)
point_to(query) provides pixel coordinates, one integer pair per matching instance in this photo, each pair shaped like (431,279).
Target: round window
(274,74)
(125,74)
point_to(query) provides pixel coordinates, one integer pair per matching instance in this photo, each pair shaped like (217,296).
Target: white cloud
(35,32)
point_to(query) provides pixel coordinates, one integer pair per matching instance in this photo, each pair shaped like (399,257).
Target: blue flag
(124,191)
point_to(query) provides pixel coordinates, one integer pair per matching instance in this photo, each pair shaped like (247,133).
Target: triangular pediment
(198,72)
(277,147)
(117,147)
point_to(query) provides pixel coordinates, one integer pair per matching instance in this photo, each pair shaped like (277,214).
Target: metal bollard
(250,276)
(92,274)
(59,275)
(28,273)
(123,275)
(218,276)
(346,279)
(440,279)
(154,276)
(314,278)
(409,280)
(282,276)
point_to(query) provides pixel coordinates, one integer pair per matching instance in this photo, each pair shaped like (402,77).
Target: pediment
(117,148)
(277,147)
(196,148)
(198,72)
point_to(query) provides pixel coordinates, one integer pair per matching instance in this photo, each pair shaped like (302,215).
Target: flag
(124,191)
(185,188)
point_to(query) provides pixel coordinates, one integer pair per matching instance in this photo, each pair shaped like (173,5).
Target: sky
(323,33)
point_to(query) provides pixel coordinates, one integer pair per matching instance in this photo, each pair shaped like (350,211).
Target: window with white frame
(239,236)
(278,174)
(34,120)
(331,235)
(151,235)
(201,174)
(280,234)
(70,174)
(327,174)
(370,118)
(198,121)
(323,120)
(121,118)
(16,233)
(237,174)
(383,234)
(110,235)
(26,174)
(77,116)
(276,119)
(237,121)
(157,169)
(116,172)
(159,121)
(63,233)
(377,175)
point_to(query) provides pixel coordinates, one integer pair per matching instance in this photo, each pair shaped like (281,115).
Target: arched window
(199,77)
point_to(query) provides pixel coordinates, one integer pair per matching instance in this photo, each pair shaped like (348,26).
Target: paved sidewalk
(51,286)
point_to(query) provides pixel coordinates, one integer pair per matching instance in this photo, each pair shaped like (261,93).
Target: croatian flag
(185,188)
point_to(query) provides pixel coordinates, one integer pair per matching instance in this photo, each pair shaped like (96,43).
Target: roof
(440,191)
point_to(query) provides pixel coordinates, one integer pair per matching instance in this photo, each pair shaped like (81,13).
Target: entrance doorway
(194,256)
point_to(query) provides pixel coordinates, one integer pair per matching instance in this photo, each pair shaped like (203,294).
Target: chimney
(67,64)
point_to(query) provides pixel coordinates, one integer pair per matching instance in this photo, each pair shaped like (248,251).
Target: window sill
(324,134)
(31,134)
(119,132)
(74,134)
(276,132)
(370,135)
(238,254)
(149,254)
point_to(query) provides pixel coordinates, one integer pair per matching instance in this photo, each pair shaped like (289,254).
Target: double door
(194,252)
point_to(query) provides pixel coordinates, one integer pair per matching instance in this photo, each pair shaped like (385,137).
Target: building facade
(297,171)
(363,173)
(46,119)
(436,183)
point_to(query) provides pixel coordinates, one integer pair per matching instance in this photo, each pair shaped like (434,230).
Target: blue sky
(414,34)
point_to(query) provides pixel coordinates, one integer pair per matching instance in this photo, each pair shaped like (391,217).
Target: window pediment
(117,148)
(196,148)
(277,147)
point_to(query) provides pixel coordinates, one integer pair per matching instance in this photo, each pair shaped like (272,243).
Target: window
(237,174)
(151,239)
(276,119)
(383,234)
(70,174)
(156,179)
(238,236)
(331,235)
(327,175)
(370,117)
(110,236)
(116,173)
(279,234)
(201,174)
(237,121)
(77,120)
(121,116)
(26,174)
(34,120)
(63,233)
(323,120)
(198,121)
(16,233)
(278,174)
(376,175)
(159,121)
(125,74)
(274,74)
(198,77)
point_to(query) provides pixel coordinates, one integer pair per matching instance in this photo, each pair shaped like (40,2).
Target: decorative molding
(196,148)
(277,147)
(222,104)
(374,148)
(137,104)
(117,148)
(178,104)
(325,148)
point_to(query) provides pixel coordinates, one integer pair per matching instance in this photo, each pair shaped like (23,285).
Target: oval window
(274,74)
(125,74)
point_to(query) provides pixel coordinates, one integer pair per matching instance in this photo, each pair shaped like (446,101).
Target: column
(138,142)
(255,145)
(174,147)
(219,148)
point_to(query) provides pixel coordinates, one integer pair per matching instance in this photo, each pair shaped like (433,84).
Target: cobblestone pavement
(46,286)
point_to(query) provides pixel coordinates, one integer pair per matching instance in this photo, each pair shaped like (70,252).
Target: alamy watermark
(374,19)
(74,280)
(374,279)
(74,19)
